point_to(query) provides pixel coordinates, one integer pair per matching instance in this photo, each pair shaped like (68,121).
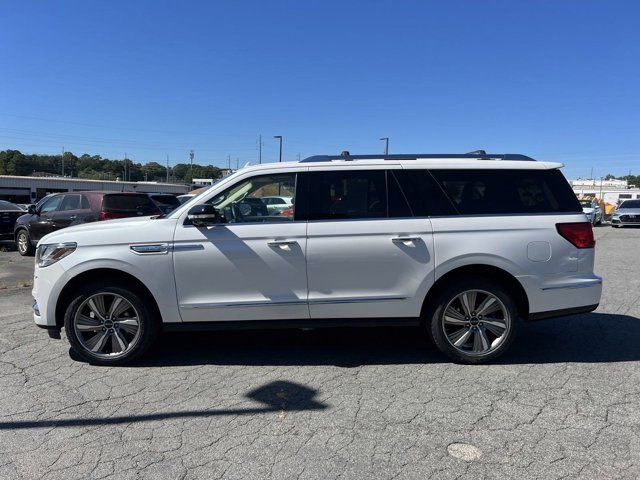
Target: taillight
(110,215)
(580,234)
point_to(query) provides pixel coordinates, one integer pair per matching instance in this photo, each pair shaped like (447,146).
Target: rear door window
(423,193)
(70,202)
(347,195)
(487,192)
(124,203)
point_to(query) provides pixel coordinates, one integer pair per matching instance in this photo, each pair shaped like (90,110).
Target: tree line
(13,162)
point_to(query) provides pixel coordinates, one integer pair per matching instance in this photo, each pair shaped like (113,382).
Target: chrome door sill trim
(242,304)
(322,301)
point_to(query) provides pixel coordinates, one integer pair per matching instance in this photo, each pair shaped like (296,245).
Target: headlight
(49,254)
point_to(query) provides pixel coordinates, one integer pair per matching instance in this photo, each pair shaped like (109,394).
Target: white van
(465,246)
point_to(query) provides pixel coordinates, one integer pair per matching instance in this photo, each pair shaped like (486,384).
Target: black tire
(23,243)
(148,324)
(435,326)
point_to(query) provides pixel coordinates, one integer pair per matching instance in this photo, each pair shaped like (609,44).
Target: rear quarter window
(486,192)
(129,203)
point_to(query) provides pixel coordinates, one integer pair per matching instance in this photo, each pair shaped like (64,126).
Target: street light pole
(386,145)
(191,155)
(279,137)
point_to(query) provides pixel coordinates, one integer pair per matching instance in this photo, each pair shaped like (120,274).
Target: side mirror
(32,209)
(205,215)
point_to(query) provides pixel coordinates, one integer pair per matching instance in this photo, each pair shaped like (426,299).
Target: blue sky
(553,79)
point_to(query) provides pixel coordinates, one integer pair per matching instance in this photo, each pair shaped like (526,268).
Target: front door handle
(73,217)
(282,243)
(405,240)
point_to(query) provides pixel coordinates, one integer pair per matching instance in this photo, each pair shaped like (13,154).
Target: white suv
(466,247)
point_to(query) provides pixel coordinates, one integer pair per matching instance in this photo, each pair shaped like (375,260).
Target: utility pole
(386,145)
(126,177)
(191,155)
(229,162)
(62,161)
(237,162)
(167,168)
(279,137)
(260,148)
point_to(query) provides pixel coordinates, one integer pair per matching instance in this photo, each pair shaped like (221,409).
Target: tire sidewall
(434,315)
(147,324)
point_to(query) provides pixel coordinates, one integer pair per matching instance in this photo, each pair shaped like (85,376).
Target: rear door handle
(405,239)
(282,243)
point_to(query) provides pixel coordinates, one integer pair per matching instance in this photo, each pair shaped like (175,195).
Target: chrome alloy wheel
(107,325)
(23,240)
(476,322)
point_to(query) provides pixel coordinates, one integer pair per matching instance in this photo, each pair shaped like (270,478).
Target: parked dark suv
(62,210)
(9,213)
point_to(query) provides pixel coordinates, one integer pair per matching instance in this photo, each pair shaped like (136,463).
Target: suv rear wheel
(472,321)
(109,325)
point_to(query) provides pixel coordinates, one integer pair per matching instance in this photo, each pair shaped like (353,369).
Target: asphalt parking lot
(374,403)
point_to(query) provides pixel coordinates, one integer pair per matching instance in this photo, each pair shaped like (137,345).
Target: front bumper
(46,285)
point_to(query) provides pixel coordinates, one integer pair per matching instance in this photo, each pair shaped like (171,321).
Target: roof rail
(478,154)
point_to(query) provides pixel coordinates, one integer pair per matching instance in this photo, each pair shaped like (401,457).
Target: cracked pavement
(564,402)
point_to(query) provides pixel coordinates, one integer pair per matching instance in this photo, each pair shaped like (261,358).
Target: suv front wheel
(472,321)
(109,325)
(23,243)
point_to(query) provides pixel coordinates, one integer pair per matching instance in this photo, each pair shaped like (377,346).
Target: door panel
(251,271)
(252,266)
(369,268)
(42,223)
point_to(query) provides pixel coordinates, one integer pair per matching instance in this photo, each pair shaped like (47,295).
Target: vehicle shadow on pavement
(279,396)
(593,337)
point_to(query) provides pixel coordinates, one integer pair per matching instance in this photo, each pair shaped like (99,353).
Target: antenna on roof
(345,154)
(477,152)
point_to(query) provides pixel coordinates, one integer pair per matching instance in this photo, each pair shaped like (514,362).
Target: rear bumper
(558,295)
(561,313)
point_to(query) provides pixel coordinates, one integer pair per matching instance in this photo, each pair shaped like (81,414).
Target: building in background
(611,192)
(31,189)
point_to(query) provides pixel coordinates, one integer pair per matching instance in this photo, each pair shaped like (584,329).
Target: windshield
(630,204)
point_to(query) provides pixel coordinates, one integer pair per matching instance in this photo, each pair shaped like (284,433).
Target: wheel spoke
(495,326)
(117,342)
(118,307)
(129,325)
(489,305)
(460,337)
(96,343)
(468,301)
(96,305)
(454,317)
(88,324)
(480,342)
